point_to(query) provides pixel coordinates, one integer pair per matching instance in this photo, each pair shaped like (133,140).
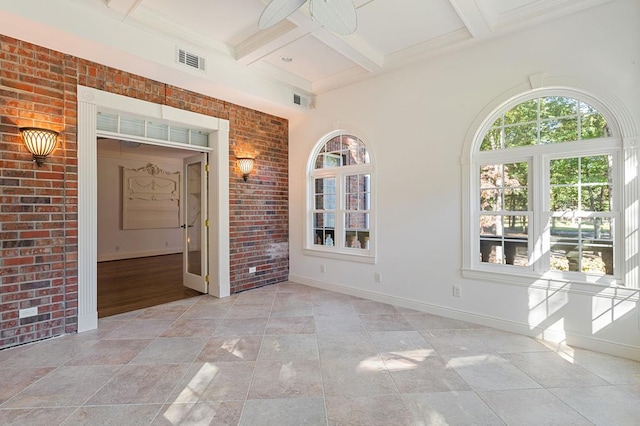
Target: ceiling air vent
(190,59)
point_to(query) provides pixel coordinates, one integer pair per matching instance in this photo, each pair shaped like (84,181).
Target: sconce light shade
(245,165)
(39,142)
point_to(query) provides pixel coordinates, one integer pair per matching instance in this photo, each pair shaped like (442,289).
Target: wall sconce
(39,142)
(245,165)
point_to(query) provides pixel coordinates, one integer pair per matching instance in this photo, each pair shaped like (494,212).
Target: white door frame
(90,101)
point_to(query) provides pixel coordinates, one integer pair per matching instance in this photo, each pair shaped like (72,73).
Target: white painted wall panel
(415,121)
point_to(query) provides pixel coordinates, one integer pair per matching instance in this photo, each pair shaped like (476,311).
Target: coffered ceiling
(298,52)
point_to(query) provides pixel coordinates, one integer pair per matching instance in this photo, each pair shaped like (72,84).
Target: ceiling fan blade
(338,16)
(278,10)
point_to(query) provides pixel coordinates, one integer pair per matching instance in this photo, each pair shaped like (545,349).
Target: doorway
(90,103)
(142,265)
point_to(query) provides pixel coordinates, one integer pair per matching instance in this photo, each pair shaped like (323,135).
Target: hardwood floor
(130,284)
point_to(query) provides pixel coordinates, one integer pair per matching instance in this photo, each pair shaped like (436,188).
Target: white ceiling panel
(311,59)
(395,25)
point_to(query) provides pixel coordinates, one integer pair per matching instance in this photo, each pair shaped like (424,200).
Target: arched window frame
(339,249)
(622,145)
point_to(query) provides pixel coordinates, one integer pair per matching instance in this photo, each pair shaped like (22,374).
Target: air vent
(190,59)
(302,101)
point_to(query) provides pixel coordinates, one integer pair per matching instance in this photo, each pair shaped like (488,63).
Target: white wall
(114,242)
(415,121)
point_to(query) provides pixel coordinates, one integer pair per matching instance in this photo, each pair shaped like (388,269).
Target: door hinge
(206,278)
(206,223)
(206,167)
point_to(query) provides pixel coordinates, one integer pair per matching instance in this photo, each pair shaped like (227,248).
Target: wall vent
(190,59)
(302,101)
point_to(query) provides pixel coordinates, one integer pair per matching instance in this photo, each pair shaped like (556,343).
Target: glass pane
(491,176)
(526,111)
(597,228)
(357,220)
(564,257)
(492,140)
(178,134)
(595,169)
(597,258)
(554,106)
(194,220)
(564,171)
(516,174)
(323,225)
(357,239)
(516,199)
(587,109)
(357,193)
(325,185)
(521,135)
(490,225)
(491,251)
(594,126)
(515,227)
(560,130)
(199,138)
(596,198)
(564,198)
(490,200)
(564,229)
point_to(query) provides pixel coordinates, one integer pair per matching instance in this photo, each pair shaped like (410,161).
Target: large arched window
(340,215)
(546,191)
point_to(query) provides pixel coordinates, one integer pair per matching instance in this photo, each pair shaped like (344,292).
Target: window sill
(604,287)
(350,257)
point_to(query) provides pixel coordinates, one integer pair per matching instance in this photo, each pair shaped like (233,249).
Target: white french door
(195,223)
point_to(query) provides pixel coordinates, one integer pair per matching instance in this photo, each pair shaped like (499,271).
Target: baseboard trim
(553,338)
(137,254)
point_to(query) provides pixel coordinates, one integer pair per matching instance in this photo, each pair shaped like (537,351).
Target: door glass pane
(194,219)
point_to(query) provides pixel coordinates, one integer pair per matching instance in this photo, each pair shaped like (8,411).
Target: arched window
(340,215)
(546,191)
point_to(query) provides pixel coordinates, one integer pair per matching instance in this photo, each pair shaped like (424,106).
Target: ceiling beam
(472,17)
(300,25)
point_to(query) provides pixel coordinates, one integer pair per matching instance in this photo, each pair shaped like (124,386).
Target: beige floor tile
(289,347)
(382,410)
(35,416)
(110,352)
(602,405)
(385,322)
(428,375)
(241,327)
(15,380)
(332,324)
(130,415)
(532,407)
(352,345)
(291,325)
(166,350)
(214,381)
(286,379)
(231,348)
(450,408)
(284,412)
(356,377)
(140,384)
(200,413)
(64,387)
(363,306)
(191,327)
(141,329)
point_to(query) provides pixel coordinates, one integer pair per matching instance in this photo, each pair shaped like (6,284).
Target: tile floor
(294,355)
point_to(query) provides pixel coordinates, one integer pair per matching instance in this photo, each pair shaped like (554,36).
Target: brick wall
(38,215)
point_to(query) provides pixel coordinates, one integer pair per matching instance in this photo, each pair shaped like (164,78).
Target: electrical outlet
(323,268)
(28,312)
(378,277)
(252,270)
(457,291)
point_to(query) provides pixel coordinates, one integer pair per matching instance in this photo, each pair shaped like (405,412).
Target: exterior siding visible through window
(340,216)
